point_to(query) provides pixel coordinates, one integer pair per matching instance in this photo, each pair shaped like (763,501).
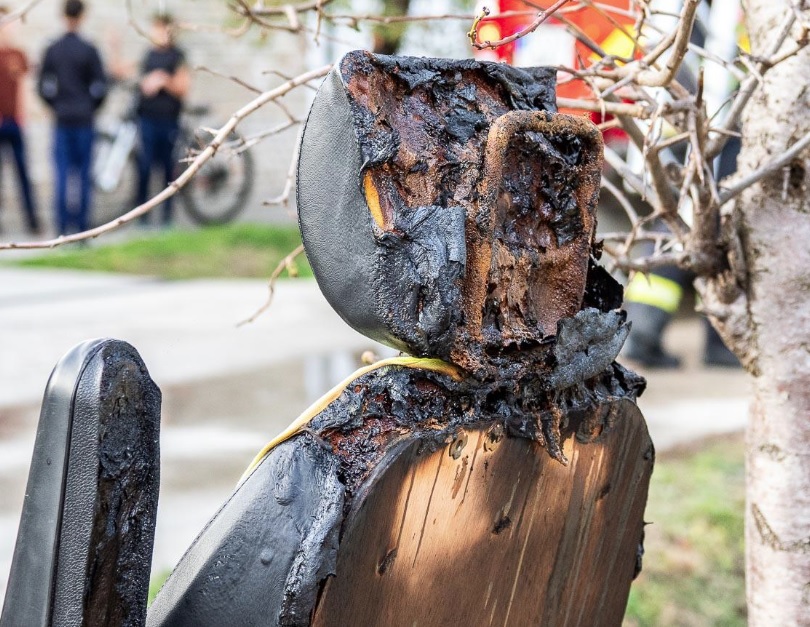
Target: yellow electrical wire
(421,363)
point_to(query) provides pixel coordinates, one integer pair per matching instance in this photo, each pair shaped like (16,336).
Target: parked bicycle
(215,195)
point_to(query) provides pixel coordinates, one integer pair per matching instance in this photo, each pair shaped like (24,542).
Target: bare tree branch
(246,143)
(629,109)
(282,10)
(221,137)
(784,159)
(284,197)
(230,77)
(632,215)
(748,87)
(285,264)
(647,264)
(355,20)
(18,14)
(542,16)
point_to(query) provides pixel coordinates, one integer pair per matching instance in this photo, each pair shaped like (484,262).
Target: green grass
(694,561)
(236,250)
(156,583)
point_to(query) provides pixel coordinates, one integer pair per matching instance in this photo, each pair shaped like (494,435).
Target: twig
(542,16)
(19,14)
(624,171)
(287,77)
(647,264)
(284,9)
(610,124)
(645,236)
(235,79)
(643,71)
(209,151)
(246,143)
(256,16)
(137,27)
(285,110)
(621,199)
(726,65)
(669,142)
(355,20)
(284,264)
(747,89)
(284,197)
(723,131)
(235,32)
(746,182)
(614,108)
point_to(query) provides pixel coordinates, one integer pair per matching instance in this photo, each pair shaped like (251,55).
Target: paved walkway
(228,389)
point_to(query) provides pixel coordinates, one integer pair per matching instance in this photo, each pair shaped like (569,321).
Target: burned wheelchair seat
(497,471)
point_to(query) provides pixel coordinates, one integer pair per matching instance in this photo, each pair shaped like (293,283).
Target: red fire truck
(574,37)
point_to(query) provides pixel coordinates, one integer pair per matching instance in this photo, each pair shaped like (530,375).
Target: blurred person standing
(163,86)
(13,68)
(73,84)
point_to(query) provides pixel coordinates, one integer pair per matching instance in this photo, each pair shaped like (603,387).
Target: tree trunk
(773,225)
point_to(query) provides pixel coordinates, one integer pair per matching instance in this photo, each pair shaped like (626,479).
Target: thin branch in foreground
(284,197)
(623,201)
(784,159)
(646,264)
(235,79)
(246,143)
(542,16)
(285,264)
(280,10)
(747,89)
(18,14)
(139,30)
(235,32)
(209,151)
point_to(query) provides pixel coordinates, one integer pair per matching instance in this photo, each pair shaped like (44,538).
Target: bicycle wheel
(115,179)
(220,190)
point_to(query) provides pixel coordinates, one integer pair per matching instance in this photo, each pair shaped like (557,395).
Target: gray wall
(249,57)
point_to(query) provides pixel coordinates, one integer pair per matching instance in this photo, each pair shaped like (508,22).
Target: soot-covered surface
(399,233)
(461,228)
(267,554)
(387,404)
(536,214)
(128,481)
(421,124)
(482,200)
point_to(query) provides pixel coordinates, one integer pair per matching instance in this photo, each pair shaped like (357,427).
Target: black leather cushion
(261,558)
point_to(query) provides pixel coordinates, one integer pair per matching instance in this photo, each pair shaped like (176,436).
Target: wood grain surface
(489,530)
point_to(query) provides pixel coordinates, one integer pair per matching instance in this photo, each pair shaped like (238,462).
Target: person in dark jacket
(73,83)
(164,84)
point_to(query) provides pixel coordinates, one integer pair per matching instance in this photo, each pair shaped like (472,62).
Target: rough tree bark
(769,328)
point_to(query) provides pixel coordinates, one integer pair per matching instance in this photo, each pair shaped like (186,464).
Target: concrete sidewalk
(228,389)
(187,333)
